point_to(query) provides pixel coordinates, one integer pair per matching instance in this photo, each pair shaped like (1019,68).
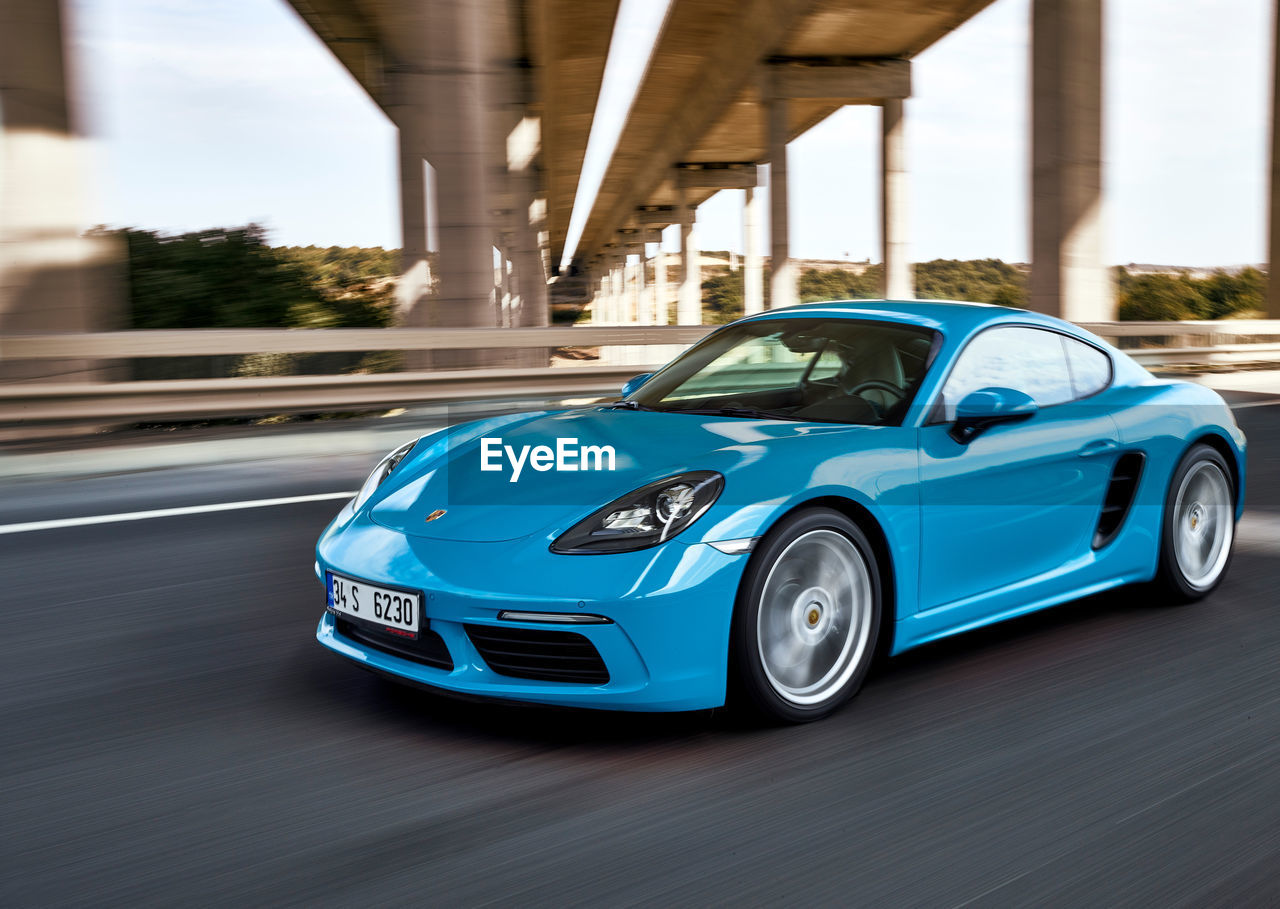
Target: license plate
(394,610)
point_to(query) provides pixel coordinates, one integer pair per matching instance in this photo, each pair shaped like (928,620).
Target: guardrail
(198,398)
(210,342)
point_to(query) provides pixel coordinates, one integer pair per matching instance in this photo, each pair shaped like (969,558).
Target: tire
(1198,528)
(806,620)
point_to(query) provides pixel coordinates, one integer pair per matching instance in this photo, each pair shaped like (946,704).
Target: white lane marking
(168,512)
(1259,531)
(1245,405)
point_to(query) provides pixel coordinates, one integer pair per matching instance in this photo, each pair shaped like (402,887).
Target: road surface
(173,734)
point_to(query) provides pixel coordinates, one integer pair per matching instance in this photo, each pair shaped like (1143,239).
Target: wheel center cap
(1195,516)
(811,614)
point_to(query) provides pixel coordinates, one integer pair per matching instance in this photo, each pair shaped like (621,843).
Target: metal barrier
(222,341)
(198,398)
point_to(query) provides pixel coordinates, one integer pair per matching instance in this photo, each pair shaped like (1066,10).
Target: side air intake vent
(1120,493)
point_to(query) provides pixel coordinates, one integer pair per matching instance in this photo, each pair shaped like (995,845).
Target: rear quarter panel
(1162,420)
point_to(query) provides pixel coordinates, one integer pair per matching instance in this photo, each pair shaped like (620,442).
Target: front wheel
(806,620)
(1199,525)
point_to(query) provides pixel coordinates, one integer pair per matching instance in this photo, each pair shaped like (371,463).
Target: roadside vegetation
(1141,297)
(233,278)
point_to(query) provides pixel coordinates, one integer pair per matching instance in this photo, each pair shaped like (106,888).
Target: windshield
(822,370)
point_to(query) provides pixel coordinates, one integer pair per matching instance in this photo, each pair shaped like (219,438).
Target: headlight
(651,515)
(380,473)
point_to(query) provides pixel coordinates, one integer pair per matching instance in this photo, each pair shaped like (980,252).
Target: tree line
(1141,297)
(233,278)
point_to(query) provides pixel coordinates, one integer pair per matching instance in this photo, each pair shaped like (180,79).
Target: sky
(220,113)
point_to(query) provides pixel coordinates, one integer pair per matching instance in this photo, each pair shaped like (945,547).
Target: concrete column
(414,284)
(503,289)
(445,96)
(611,294)
(1273,268)
(606,292)
(1067,275)
(783,284)
(752,262)
(689,305)
(618,292)
(598,303)
(639,301)
(526,253)
(51,278)
(660,292)
(896,283)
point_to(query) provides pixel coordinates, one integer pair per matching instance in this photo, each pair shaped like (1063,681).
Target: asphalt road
(171,733)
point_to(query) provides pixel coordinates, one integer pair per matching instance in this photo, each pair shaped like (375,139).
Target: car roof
(947,316)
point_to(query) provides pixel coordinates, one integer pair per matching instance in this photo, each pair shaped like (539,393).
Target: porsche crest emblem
(438,513)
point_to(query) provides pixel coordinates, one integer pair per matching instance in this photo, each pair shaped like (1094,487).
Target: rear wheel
(806,619)
(1199,525)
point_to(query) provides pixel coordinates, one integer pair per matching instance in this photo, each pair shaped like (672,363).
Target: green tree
(1228,295)
(220,278)
(1160,298)
(231,278)
(722,296)
(817,285)
(976,280)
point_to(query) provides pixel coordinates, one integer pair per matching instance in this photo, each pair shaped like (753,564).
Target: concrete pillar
(526,253)
(752,262)
(51,278)
(1067,275)
(689,305)
(618,292)
(598,303)
(783,284)
(606,292)
(443,101)
(660,292)
(507,304)
(1273,268)
(611,293)
(638,299)
(896,283)
(414,284)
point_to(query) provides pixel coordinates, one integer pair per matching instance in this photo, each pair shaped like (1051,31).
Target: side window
(1025,359)
(1090,367)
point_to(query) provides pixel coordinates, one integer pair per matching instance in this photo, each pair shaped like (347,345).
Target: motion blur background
(247,246)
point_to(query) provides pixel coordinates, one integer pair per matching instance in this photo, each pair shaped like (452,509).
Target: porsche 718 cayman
(800,490)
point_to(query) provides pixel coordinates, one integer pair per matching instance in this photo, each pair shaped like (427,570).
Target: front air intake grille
(547,656)
(1120,492)
(429,649)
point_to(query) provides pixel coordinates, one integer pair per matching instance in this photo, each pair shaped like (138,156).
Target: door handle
(1098,447)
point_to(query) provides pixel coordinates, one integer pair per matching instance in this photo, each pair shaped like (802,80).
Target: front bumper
(665,648)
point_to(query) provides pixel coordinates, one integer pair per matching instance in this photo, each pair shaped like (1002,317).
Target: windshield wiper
(749,412)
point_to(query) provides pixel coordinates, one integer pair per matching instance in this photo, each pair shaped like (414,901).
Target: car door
(1016,507)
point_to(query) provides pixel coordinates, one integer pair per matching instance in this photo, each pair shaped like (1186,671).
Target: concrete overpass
(499,97)
(728,85)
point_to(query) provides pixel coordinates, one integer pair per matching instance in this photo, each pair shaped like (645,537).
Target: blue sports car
(799,491)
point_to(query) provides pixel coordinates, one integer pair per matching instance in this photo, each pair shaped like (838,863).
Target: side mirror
(988,406)
(635,382)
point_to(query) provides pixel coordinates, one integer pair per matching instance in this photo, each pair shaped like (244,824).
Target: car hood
(445,475)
